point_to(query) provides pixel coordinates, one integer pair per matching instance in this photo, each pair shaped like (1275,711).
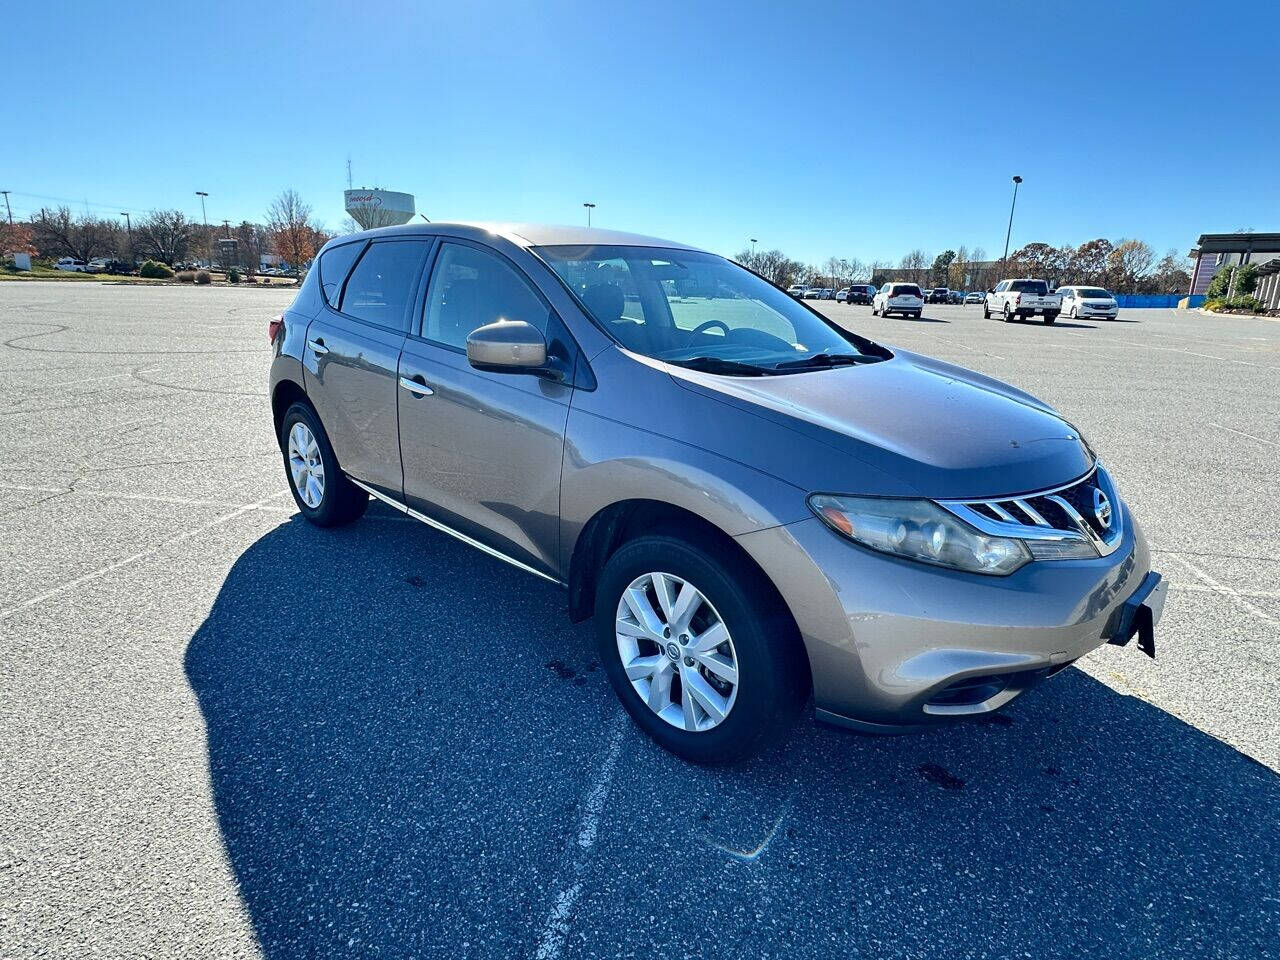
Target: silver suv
(749,502)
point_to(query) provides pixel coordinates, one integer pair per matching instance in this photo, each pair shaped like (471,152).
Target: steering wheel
(706,325)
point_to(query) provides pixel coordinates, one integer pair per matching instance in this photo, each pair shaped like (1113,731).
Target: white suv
(903,298)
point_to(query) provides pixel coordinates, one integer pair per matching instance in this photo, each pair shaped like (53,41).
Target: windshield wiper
(826,360)
(721,365)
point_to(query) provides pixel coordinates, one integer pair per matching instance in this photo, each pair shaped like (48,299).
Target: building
(1213,251)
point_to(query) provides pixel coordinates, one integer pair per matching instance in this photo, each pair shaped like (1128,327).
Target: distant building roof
(1236,242)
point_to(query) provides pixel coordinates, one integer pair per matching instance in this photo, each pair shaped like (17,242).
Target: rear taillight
(274,326)
(1018,298)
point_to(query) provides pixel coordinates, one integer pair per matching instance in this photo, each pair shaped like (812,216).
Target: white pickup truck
(1022,299)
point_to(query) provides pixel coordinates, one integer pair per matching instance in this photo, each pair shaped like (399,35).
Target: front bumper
(894,644)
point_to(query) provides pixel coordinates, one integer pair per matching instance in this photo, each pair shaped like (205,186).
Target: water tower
(379,208)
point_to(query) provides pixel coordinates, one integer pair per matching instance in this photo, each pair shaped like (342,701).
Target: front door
(482,451)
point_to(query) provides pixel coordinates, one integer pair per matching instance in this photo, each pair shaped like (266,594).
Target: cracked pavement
(224,733)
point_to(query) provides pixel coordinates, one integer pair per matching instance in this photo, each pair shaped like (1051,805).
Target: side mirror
(992,290)
(508,346)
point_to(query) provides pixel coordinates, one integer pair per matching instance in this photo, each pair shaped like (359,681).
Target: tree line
(289,231)
(1123,266)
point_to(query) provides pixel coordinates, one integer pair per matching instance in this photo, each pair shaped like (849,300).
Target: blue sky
(820,129)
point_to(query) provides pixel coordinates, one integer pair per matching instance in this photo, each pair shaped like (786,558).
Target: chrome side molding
(456,534)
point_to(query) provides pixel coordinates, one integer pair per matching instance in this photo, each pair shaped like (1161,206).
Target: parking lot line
(556,928)
(1223,426)
(1223,589)
(8,612)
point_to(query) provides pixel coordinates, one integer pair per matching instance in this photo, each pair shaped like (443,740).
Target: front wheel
(321,490)
(706,661)
(1072,314)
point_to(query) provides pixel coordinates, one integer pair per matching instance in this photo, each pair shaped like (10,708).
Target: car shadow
(401,732)
(924,319)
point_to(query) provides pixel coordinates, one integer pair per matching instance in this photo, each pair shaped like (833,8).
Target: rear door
(482,451)
(353,352)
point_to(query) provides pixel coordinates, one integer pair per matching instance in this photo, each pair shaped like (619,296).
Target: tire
(917,314)
(762,645)
(986,314)
(1008,314)
(1049,318)
(1072,314)
(335,500)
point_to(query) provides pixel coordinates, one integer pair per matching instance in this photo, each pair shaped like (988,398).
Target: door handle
(318,346)
(416,386)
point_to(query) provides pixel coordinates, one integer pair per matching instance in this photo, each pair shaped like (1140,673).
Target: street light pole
(753,249)
(128,229)
(590,207)
(204,218)
(1009,232)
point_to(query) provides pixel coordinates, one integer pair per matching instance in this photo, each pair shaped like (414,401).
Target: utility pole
(1009,232)
(7,207)
(204,218)
(590,207)
(128,229)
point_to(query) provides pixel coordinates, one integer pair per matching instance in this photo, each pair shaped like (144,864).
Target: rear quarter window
(335,264)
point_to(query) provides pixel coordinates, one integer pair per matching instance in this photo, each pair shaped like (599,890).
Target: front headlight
(919,530)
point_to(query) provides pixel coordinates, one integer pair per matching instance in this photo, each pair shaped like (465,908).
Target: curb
(1235,316)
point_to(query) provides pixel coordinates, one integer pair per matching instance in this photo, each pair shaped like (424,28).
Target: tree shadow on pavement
(402,732)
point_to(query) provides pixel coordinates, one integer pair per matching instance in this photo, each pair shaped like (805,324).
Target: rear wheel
(319,487)
(1072,314)
(704,659)
(1050,317)
(1008,314)
(986,314)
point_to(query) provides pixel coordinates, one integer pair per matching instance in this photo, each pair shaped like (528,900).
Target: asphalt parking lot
(226,733)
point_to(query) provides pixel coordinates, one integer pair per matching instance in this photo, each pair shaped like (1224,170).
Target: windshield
(1038,287)
(688,306)
(1092,292)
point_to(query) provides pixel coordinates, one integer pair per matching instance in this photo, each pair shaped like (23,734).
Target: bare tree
(164,235)
(292,232)
(57,233)
(1128,264)
(917,265)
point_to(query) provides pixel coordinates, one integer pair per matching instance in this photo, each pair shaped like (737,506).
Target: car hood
(934,429)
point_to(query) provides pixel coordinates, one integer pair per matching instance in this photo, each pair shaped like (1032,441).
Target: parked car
(797,290)
(974,297)
(906,299)
(813,293)
(826,293)
(859,293)
(1089,302)
(1023,299)
(955,296)
(72,265)
(939,295)
(792,507)
(842,294)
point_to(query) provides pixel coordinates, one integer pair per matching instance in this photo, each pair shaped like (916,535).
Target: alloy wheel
(306,468)
(676,651)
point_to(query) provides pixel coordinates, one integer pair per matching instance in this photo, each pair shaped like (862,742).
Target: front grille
(1087,507)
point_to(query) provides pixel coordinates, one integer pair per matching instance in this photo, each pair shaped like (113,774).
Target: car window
(691,305)
(1037,287)
(335,264)
(471,288)
(905,290)
(383,282)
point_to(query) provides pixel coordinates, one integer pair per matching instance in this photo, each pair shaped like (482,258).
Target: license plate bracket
(1140,614)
